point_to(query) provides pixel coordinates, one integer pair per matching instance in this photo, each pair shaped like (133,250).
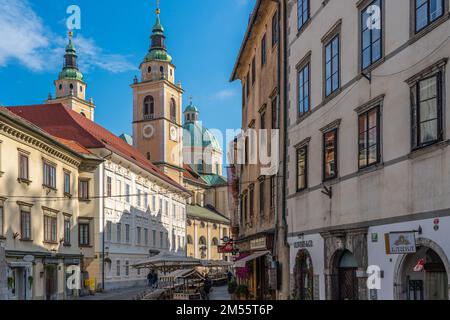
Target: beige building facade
(39,209)
(368,148)
(259,67)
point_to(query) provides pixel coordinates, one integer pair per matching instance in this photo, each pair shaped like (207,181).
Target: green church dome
(195,135)
(70,73)
(158,55)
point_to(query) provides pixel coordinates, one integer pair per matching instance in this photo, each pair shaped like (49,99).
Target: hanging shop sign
(227,248)
(419,266)
(258,244)
(400,242)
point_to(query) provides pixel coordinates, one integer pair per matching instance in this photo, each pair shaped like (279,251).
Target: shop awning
(241,263)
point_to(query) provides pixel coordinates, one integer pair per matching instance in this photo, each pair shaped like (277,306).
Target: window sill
(302,191)
(50,242)
(303,116)
(303,27)
(24,181)
(370,168)
(427,149)
(49,188)
(26,240)
(85,200)
(373,66)
(87,246)
(68,195)
(67,245)
(419,34)
(332,95)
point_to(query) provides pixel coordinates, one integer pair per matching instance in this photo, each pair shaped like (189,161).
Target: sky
(203,37)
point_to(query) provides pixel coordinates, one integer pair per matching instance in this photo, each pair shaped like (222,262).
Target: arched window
(161,69)
(71,86)
(215,242)
(60,87)
(81,89)
(149,70)
(148,156)
(202,241)
(149,107)
(83,114)
(173,110)
(189,240)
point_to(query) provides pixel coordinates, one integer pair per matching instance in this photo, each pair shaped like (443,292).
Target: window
(161,239)
(243,94)
(189,239)
(146,236)
(83,236)
(274,113)
(109,187)
(248,84)
(2,219)
(138,197)
(371,38)
(127,233)
(262,197)
(119,232)
(67,183)
(262,119)
(145,200)
(118,268)
(302,168)
(25,223)
(67,232)
(253,70)
(275,29)
(251,202)
(426,95)
(127,193)
(330,155)
(23,167)
(154,238)
(173,110)
(138,235)
(215,242)
(427,11)
(332,81)
(50,228)
(166,208)
(161,206)
(127,268)
(173,240)
(302,12)
(118,188)
(174,211)
(272,192)
(303,90)
(84,190)
(369,146)
(49,175)
(108,231)
(263,51)
(149,107)
(149,70)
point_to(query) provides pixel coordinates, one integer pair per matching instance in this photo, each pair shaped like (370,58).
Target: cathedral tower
(157,102)
(70,87)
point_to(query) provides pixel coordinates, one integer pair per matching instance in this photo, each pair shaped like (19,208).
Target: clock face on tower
(173,133)
(148,131)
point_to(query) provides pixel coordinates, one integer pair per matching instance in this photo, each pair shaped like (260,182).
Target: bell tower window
(173,110)
(149,70)
(149,107)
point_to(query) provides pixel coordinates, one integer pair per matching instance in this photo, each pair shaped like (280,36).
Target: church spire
(70,67)
(158,49)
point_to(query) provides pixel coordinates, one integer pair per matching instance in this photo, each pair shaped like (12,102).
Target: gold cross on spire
(190,98)
(158,11)
(70,34)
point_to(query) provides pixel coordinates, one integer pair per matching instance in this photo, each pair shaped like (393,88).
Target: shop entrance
(304,276)
(19,283)
(50,282)
(423,276)
(345,282)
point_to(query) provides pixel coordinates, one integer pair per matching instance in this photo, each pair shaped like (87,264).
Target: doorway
(423,276)
(50,282)
(347,280)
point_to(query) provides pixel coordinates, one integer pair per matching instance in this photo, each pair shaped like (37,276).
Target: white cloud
(25,38)
(224,94)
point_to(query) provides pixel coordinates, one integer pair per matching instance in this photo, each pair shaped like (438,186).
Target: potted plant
(242,292)
(30,281)
(108,260)
(10,282)
(232,286)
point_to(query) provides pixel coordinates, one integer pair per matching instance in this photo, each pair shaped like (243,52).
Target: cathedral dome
(195,135)
(70,73)
(158,55)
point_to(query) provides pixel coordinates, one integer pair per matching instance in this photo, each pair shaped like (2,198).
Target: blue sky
(203,36)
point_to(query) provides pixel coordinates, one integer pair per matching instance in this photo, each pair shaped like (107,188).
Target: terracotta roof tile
(68,125)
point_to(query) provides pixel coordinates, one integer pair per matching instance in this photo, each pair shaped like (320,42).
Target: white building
(369,148)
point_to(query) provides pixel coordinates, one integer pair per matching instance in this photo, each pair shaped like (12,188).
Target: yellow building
(205,230)
(40,179)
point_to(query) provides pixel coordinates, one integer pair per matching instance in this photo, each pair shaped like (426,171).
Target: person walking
(229,276)
(150,278)
(207,285)
(155,280)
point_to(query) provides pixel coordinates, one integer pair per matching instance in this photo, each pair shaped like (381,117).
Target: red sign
(227,248)
(419,266)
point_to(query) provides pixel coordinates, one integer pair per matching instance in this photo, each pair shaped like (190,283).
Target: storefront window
(304,276)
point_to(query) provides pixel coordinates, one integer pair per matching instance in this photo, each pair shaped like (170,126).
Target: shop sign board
(258,244)
(400,242)
(227,248)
